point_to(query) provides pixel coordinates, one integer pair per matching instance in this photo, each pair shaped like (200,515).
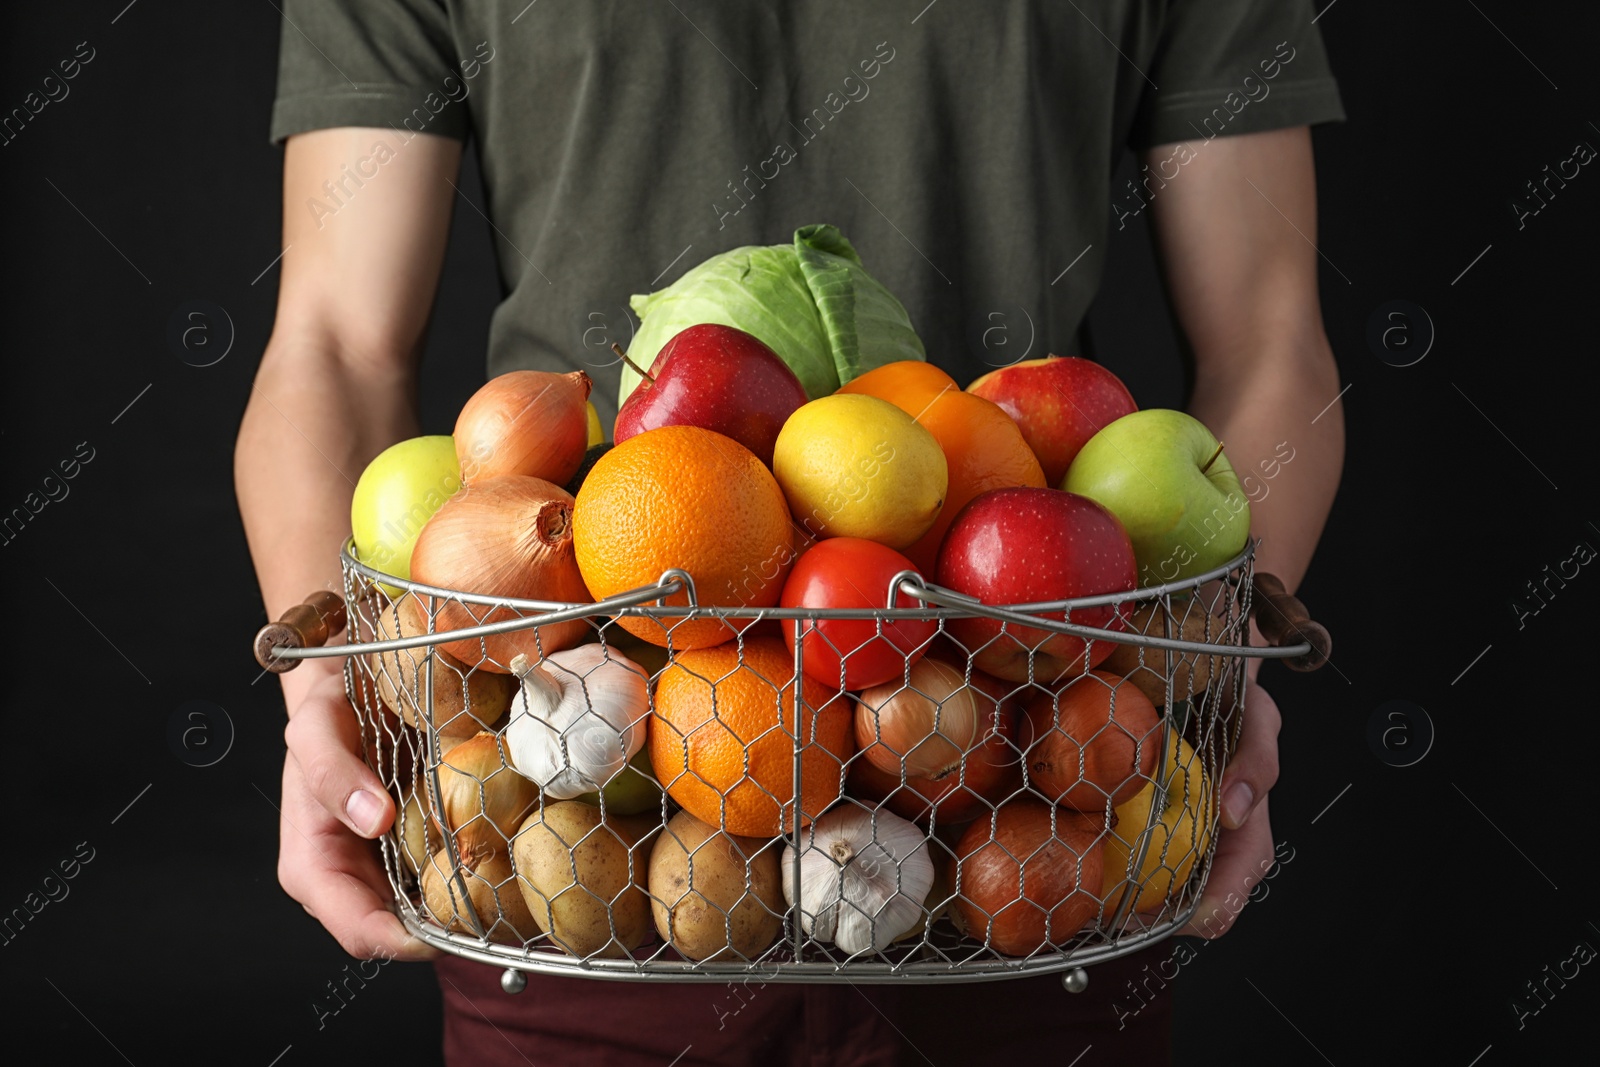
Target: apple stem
(1213,458)
(640,371)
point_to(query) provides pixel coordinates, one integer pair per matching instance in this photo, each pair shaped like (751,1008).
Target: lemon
(597,434)
(852,465)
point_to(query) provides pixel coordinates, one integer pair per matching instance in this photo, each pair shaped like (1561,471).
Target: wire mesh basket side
(469,859)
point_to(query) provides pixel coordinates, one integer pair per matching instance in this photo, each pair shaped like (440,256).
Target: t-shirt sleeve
(366,63)
(1235,66)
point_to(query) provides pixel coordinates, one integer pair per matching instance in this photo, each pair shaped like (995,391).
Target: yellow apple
(396,495)
(1178,839)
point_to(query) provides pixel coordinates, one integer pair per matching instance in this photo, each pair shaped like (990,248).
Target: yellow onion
(492,888)
(528,422)
(926,726)
(483,799)
(402,679)
(419,835)
(507,537)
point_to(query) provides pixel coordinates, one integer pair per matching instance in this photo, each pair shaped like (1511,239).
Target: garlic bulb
(577,719)
(863,878)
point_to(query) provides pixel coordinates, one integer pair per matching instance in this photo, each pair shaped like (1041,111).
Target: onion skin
(1059,876)
(508,537)
(488,874)
(931,723)
(401,677)
(1097,740)
(418,833)
(483,799)
(989,773)
(528,422)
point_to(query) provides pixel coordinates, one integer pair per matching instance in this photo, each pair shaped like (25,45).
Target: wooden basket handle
(306,625)
(1283,620)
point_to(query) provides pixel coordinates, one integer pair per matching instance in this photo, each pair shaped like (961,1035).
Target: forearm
(315,418)
(1237,239)
(1287,455)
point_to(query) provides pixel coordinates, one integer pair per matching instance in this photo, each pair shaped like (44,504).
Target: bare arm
(337,385)
(1235,230)
(338,380)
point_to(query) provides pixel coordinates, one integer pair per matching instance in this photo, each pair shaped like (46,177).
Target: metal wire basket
(619,884)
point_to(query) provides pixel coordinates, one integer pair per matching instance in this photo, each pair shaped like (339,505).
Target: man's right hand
(332,808)
(336,386)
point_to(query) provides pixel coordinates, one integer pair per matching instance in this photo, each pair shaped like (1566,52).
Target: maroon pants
(580,1022)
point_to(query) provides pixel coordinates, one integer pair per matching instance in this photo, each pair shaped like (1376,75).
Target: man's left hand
(1245,849)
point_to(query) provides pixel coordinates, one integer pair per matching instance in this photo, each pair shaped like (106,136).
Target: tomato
(849,572)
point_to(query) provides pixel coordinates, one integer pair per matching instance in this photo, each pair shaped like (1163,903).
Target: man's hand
(1236,230)
(1245,847)
(336,386)
(332,806)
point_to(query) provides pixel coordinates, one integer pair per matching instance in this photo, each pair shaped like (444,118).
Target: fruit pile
(609,776)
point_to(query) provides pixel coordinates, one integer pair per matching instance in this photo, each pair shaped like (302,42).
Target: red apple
(1059,402)
(717,378)
(1017,546)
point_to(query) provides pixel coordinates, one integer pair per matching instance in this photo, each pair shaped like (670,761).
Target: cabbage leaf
(811,302)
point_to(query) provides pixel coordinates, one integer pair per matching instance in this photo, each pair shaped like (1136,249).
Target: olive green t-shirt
(966,147)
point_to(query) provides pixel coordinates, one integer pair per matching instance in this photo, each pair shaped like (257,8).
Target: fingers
(1253,770)
(337,878)
(1244,850)
(358,918)
(324,741)
(1243,858)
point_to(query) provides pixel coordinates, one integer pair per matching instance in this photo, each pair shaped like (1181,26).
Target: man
(967,149)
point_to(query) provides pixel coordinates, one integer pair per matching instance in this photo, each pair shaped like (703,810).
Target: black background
(1415,907)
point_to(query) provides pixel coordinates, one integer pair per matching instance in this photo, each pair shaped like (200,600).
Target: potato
(492,888)
(700,895)
(1187,668)
(584,880)
(401,678)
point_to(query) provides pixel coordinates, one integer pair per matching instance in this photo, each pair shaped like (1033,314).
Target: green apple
(1160,472)
(631,791)
(398,492)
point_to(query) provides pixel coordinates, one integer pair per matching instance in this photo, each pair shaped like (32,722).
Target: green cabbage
(810,302)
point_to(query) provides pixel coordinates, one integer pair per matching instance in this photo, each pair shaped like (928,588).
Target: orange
(983,446)
(983,449)
(685,497)
(908,384)
(722,737)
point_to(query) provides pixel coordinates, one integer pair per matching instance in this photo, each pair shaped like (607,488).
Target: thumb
(1253,770)
(324,739)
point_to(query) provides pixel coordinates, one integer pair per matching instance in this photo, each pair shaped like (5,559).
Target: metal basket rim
(629,602)
(868,972)
(939,603)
